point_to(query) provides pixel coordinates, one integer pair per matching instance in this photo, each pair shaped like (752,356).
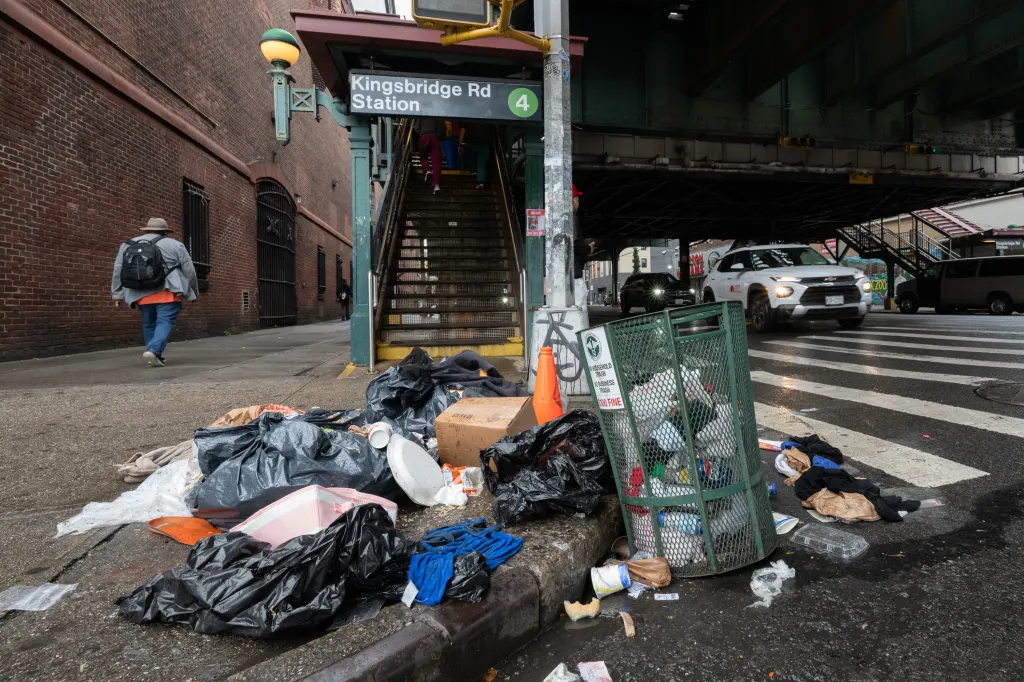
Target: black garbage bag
(471,578)
(233,583)
(400,388)
(561,467)
(247,467)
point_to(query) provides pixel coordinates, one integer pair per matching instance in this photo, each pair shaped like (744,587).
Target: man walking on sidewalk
(344,296)
(155,273)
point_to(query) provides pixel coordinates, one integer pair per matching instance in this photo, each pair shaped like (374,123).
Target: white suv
(782,282)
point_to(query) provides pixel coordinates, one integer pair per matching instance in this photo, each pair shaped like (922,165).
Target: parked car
(654,291)
(783,282)
(995,284)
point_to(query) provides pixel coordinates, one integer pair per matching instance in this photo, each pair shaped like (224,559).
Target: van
(995,284)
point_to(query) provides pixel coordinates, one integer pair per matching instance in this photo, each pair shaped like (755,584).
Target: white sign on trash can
(602,372)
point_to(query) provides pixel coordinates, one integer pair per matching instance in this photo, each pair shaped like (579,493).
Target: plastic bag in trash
(560,467)
(233,583)
(471,578)
(767,582)
(249,467)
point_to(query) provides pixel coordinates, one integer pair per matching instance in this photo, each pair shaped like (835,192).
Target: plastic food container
(834,542)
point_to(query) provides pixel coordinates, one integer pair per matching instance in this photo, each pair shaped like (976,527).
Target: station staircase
(913,250)
(448,266)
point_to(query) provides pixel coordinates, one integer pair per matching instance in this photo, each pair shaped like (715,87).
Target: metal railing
(515,225)
(914,250)
(389,212)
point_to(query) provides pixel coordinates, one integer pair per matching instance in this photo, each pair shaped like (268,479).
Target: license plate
(833,300)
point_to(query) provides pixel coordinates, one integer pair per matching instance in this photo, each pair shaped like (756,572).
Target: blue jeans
(451,152)
(157,322)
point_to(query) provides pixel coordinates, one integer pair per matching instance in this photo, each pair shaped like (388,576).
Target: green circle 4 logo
(523,102)
(593,347)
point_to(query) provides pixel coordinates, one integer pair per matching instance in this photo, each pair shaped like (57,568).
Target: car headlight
(866,287)
(693,291)
(659,292)
(783,292)
(787,278)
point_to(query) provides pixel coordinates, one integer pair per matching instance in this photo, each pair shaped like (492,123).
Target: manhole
(1011,393)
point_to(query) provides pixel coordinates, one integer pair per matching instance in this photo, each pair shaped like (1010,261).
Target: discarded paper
(666,596)
(562,674)
(34,597)
(596,671)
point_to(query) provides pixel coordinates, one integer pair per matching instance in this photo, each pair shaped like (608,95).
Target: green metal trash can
(673,395)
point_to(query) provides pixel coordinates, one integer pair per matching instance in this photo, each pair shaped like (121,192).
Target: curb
(459,641)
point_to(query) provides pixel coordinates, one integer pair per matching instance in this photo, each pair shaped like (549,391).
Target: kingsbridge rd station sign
(412,95)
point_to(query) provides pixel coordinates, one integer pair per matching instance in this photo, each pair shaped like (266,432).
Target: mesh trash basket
(688,470)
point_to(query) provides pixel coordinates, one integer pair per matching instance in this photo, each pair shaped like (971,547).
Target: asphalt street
(935,597)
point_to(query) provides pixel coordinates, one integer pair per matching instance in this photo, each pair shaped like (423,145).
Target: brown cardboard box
(472,424)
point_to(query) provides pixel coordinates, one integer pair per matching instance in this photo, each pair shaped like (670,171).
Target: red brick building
(115,111)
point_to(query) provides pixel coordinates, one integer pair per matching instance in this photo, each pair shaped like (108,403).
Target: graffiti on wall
(555,331)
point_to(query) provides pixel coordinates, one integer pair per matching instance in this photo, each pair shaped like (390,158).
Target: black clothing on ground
(839,480)
(813,446)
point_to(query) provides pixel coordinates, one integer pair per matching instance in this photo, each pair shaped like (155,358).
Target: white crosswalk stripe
(871,370)
(913,466)
(944,329)
(937,359)
(904,335)
(1011,426)
(923,346)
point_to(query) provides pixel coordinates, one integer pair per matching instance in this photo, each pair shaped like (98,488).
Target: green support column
(534,245)
(359,144)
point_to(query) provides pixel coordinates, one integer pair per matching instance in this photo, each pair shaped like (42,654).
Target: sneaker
(481,186)
(437,189)
(428,177)
(153,359)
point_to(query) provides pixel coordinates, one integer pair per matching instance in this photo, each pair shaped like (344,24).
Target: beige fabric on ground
(244,415)
(845,506)
(798,462)
(140,465)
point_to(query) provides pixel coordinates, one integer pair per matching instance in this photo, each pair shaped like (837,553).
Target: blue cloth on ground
(824,463)
(787,444)
(431,570)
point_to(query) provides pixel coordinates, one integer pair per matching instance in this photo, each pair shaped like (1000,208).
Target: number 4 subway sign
(414,95)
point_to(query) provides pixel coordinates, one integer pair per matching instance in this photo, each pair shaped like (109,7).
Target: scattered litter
(609,579)
(766,583)
(821,517)
(627,624)
(620,548)
(307,511)
(490,675)
(772,445)
(653,571)
(666,596)
(469,480)
(409,595)
(899,556)
(928,504)
(143,464)
(187,530)
(595,672)
(577,611)
(838,543)
(416,473)
(782,466)
(561,467)
(162,494)
(784,523)
(809,409)
(562,674)
(244,415)
(902,513)
(34,597)
(925,435)
(636,588)
(451,497)
(379,434)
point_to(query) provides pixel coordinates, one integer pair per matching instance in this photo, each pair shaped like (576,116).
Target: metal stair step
(464,264)
(449,325)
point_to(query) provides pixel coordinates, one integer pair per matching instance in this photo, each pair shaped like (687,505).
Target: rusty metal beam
(902,34)
(982,41)
(806,30)
(719,32)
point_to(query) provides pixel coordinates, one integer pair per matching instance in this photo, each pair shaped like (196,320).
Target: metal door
(275,254)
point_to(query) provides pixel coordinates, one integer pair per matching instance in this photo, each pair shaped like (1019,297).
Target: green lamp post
(282,50)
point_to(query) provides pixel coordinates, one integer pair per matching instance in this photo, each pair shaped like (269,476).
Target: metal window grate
(196,228)
(245,301)
(275,254)
(339,275)
(321,273)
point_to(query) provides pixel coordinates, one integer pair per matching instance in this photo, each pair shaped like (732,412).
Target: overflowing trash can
(673,395)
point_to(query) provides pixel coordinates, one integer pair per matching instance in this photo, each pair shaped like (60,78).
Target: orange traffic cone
(547,399)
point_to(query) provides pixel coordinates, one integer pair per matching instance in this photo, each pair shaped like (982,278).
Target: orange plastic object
(547,399)
(185,529)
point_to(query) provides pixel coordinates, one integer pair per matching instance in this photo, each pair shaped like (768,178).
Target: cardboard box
(472,424)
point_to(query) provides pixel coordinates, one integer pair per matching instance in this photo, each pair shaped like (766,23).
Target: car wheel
(624,307)
(709,296)
(1000,304)
(908,305)
(762,317)
(851,324)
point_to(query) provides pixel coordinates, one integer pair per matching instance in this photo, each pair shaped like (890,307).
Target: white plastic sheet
(767,582)
(34,597)
(162,494)
(562,674)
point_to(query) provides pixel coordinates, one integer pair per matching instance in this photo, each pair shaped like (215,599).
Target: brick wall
(82,167)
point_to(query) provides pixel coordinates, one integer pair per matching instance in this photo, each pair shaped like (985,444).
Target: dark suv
(654,291)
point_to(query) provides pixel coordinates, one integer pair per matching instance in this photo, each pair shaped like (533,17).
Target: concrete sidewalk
(67,422)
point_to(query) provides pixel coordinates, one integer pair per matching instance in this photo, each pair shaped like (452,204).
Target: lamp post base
(557,327)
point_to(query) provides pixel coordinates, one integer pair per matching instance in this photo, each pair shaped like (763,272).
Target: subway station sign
(412,95)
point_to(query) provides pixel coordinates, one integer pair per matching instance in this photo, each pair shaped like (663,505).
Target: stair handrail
(514,225)
(389,210)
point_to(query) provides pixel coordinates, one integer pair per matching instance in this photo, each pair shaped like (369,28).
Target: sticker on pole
(602,370)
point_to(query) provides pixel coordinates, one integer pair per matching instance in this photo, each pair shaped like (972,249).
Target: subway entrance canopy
(777,119)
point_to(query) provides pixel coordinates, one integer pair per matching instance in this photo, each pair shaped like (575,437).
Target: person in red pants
(431,132)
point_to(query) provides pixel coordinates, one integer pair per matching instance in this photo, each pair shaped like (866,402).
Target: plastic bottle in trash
(772,490)
(688,523)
